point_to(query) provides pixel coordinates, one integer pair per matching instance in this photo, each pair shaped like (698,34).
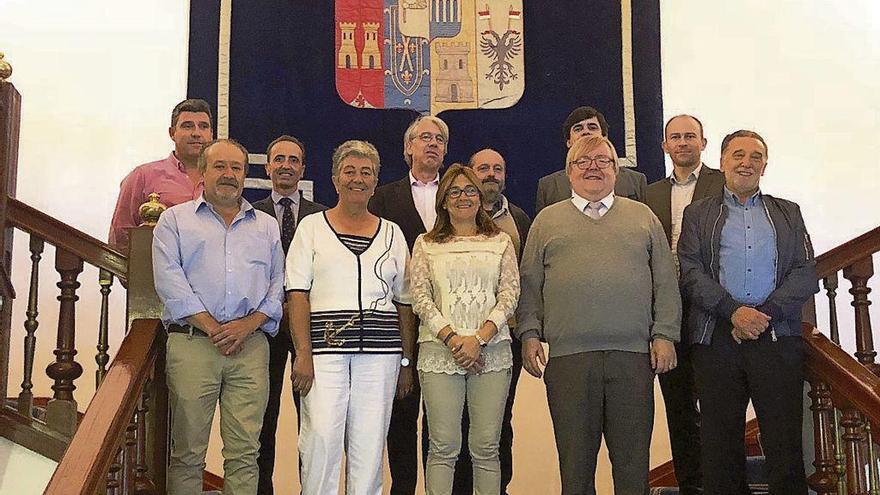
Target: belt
(187,329)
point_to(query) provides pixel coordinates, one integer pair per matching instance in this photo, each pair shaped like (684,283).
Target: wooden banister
(83,470)
(61,235)
(851,383)
(846,254)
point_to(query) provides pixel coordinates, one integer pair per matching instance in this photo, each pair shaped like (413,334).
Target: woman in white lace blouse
(465,286)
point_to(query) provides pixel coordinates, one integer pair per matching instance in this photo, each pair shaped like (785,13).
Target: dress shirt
(582,203)
(279,210)
(747,254)
(166,177)
(200,264)
(425,197)
(681,195)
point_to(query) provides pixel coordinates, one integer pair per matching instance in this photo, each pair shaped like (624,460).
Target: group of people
(434,291)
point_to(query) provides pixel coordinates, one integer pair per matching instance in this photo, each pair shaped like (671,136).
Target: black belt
(187,329)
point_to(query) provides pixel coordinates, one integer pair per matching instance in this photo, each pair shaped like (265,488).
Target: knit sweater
(598,284)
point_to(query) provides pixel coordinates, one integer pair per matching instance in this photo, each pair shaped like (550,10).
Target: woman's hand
(465,350)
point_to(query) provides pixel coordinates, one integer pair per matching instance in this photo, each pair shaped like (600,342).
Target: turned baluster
(105,280)
(61,413)
(128,457)
(113,474)
(142,483)
(830,283)
(873,475)
(825,480)
(26,397)
(853,435)
(858,274)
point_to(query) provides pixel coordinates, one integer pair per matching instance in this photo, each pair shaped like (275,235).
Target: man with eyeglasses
(410,203)
(285,166)
(598,284)
(690,180)
(555,187)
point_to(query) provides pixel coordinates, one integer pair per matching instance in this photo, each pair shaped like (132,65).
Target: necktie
(592,210)
(288,223)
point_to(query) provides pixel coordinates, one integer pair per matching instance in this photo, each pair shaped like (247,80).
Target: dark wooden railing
(120,445)
(845,389)
(114,429)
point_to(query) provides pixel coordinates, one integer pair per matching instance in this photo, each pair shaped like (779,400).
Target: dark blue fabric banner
(282,81)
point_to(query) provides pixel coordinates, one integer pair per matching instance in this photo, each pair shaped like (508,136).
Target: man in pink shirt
(176,178)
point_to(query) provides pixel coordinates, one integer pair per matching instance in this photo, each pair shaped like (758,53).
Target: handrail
(93,448)
(848,253)
(59,234)
(851,383)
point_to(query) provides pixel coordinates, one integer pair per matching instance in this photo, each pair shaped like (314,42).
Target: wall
(98,80)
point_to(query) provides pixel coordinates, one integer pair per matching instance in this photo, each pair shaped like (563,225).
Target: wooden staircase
(120,444)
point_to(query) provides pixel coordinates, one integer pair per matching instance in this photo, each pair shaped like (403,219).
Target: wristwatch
(480,340)
(405,362)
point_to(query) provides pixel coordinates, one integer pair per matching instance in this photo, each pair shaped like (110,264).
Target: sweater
(598,284)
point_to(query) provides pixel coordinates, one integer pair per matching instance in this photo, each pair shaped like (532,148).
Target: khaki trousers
(198,376)
(444,397)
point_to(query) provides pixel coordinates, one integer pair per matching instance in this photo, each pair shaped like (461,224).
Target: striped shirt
(353,283)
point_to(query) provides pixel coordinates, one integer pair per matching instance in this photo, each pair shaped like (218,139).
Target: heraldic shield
(429,55)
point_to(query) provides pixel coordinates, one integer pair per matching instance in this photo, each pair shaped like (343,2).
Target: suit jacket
(306,207)
(394,202)
(659,195)
(556,187)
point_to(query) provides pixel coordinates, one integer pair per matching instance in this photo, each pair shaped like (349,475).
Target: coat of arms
(429,55)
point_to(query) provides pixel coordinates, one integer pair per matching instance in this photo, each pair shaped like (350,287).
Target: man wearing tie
(285,164)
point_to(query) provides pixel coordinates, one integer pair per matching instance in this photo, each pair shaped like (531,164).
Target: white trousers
(349,405)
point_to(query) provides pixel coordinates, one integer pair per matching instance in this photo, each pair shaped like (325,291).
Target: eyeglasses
(601,161)
(426,137)
(469,191)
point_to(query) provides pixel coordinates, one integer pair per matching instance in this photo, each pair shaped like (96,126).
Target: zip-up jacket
(707,300)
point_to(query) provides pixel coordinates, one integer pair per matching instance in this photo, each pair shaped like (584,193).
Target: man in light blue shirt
(218,265)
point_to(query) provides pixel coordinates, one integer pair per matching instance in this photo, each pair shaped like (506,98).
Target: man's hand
(303,374)
(749,323)
(663,356)
(533,354)
(465,350)
(231,335)
(405,381)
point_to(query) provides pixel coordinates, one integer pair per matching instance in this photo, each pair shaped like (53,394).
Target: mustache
(227,182)
(488,180)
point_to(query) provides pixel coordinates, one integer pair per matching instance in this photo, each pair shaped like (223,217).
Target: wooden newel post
(61,413)
(10,118)
(858,274)
(824,480)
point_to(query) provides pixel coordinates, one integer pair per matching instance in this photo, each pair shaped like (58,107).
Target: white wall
(98,80)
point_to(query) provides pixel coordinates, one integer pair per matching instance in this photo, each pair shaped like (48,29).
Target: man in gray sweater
(599,285)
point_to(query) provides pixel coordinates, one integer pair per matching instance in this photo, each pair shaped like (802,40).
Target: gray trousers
(608,393)
(444,397)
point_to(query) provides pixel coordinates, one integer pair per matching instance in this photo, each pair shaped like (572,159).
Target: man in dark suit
(285,163)
(689,181)
(409,202)
(555,187)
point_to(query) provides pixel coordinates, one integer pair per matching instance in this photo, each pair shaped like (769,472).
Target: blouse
(352,290)
(463,283)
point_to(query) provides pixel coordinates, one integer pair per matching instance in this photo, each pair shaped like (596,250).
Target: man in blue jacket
(747,268)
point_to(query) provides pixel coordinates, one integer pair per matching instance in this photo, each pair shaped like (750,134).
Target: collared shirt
(747,254)
(279,210)
(581,203)
(166,177)
(200,264)
(501,208)
(682,195)
(425,196)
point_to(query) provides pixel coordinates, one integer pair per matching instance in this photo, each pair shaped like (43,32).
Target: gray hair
(359,149)
(410,133)
(203,155)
